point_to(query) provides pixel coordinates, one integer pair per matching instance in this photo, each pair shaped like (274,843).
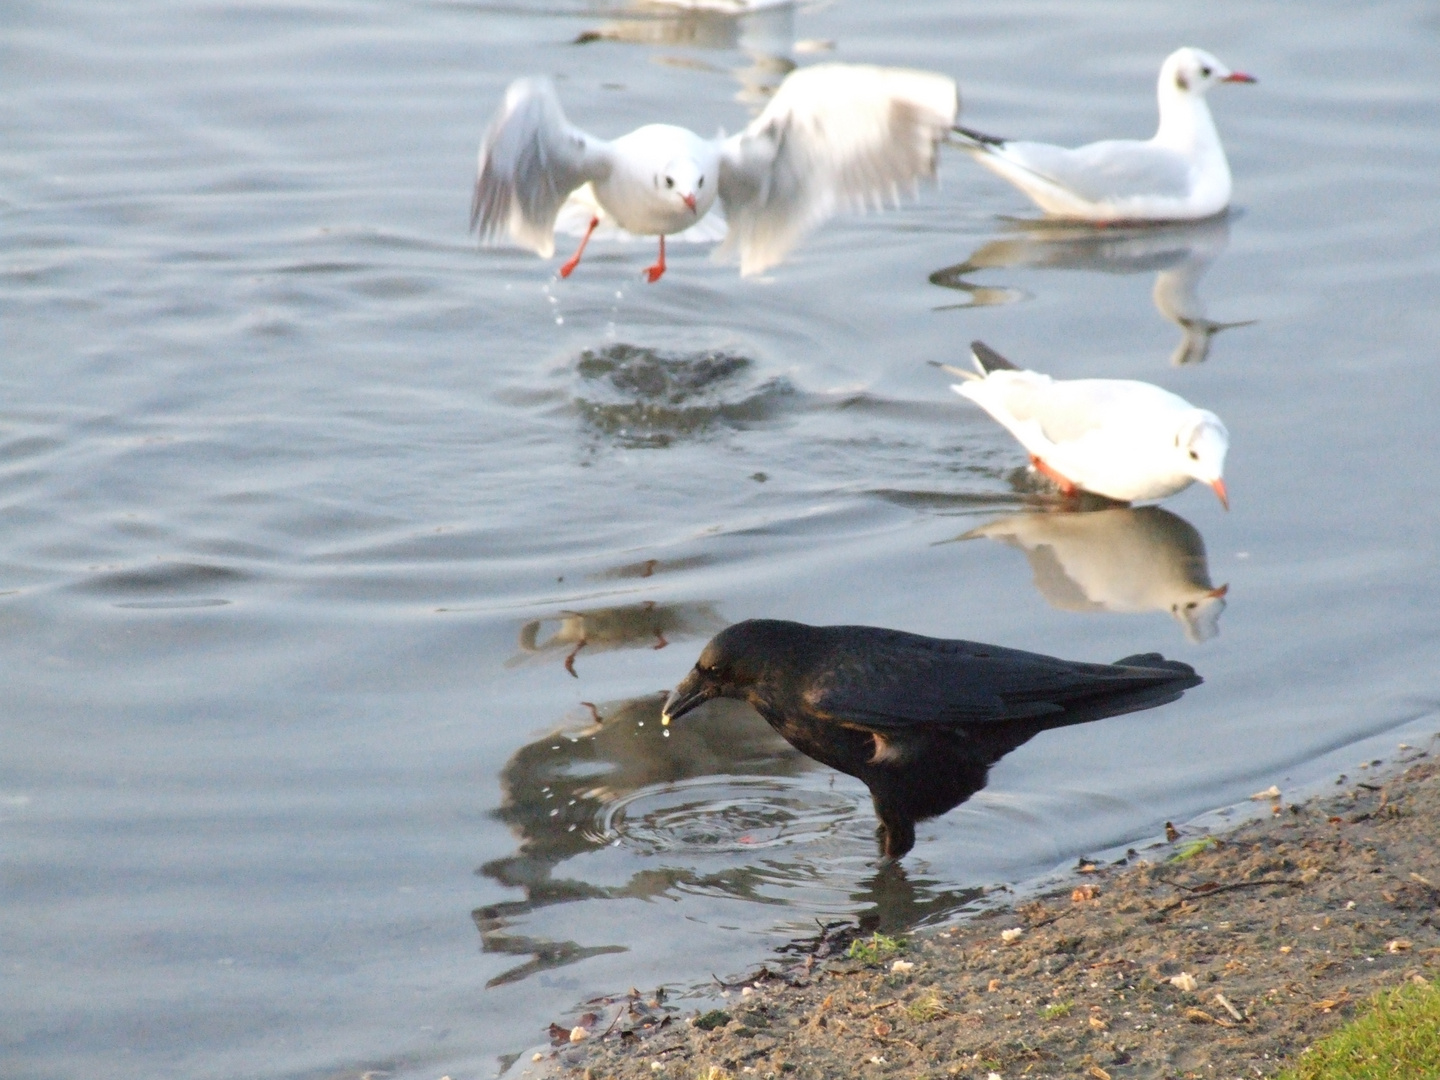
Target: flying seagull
(918,719)
(833,136)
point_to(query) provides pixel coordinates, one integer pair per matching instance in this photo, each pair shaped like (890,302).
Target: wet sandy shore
(1208,956)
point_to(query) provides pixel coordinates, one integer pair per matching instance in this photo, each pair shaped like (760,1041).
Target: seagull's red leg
(574,260)
(1067,486)
(653,273)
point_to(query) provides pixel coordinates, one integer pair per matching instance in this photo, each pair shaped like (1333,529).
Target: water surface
(343,565)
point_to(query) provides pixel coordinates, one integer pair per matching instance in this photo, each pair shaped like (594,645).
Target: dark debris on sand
(1221,958)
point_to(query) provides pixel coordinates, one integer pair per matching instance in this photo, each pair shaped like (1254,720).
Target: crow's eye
(669,181)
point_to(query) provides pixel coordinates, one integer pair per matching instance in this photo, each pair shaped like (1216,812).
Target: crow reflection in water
(919,720)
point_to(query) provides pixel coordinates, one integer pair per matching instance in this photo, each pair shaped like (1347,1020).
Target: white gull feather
(1179,174)
(834,136)
(1120,438)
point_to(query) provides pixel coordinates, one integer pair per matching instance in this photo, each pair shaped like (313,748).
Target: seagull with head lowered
(1126,440)
(1178,175)
(834,135)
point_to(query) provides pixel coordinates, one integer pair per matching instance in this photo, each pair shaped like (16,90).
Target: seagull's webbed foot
(1067,486)
(569,267)
(652,273)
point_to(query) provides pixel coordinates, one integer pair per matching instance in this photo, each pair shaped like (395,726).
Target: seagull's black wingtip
(978,136)
(989,359)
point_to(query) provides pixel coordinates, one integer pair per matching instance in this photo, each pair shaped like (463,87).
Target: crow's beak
(689,201)
(1218,486)
(692,692)
(1238,76)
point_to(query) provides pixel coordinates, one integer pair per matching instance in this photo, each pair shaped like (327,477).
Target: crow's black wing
(887,681)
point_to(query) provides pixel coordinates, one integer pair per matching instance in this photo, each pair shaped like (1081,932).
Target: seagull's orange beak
(1238,76)
(689,200)
(1218,486)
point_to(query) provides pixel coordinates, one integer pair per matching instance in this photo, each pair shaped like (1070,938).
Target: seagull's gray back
(1106,171)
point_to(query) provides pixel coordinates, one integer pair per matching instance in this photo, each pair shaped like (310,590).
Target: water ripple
(711,816)
(641,397)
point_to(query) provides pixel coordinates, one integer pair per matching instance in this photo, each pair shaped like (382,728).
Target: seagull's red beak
(1218,486)
(689,200)
(1238,76)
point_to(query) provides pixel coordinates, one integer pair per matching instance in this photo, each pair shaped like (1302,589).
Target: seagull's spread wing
(898,681)
(833,136)
(531,159)
(1103,172)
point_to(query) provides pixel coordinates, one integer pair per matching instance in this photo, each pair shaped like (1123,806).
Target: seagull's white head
(1194,71)
(688,184)
(1201,443)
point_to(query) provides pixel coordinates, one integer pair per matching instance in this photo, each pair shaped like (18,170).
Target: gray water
(307,502)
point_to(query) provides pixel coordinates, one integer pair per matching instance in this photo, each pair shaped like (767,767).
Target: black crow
(920,720)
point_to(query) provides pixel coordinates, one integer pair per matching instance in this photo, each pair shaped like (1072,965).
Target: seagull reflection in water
(764,33)
(1123,559)
(1179,255)
(643,625)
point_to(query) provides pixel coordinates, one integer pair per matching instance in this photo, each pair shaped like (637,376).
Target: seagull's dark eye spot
(1194,456)
(700,184)
(1205,71)
(669,181)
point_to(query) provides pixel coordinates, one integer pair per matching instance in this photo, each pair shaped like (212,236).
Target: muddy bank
(1204,957)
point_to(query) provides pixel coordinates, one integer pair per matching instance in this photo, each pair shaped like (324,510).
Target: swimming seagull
(1179,174)
(919,720)
(1120,438)
(834,135)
